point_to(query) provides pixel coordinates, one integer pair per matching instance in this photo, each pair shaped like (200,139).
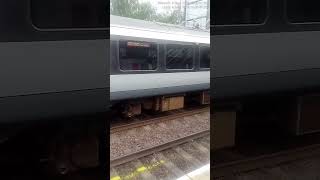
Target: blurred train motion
(266,63)
(52,65)
(263,47)
(54,72)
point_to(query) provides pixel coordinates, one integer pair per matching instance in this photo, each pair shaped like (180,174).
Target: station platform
(189,161)
(198,174)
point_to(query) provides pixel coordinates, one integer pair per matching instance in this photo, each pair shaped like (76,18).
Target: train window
(204,57)
(56,14)
(138,55)
(179,56)
(233,12)
(299,11)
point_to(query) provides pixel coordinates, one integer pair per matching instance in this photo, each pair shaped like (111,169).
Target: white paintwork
(139,85)
(182,36)
(129,82)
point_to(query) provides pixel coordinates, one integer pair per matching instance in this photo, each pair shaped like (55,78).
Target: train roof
(123,26)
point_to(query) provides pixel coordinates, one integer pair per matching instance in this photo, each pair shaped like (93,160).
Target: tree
(132,9)
(174,18)
(144,11)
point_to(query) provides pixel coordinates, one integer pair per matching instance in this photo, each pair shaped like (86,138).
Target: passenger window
(204,57)
(299,11)
(179,56)
(235,12)
(56,14)
(138,55)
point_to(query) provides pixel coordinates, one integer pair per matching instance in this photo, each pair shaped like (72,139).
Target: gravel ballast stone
(140,138)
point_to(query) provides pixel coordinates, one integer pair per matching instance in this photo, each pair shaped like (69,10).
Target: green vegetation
(144,11)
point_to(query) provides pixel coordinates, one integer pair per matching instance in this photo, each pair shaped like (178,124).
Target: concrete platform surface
(189,161)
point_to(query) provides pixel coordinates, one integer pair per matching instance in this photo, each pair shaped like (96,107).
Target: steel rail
(155,149)
(149,121)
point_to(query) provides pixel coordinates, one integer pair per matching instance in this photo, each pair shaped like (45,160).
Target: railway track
(148,151)
(144,122)
(169,144)
(232,169)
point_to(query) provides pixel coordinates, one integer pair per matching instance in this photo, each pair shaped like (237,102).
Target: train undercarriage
(55,147)
(286,115)
(134,107)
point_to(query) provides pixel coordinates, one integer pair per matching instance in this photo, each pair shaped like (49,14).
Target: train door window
(179,56)
(137,56)
(204,57)
(235,12)
(57,14)
(299,11)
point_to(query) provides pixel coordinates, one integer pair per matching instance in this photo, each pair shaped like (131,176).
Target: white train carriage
(151,59)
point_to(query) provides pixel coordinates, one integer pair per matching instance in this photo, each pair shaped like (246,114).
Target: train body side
(274,51)
(50,73)
(155,84)
(125,85)
(265,63)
